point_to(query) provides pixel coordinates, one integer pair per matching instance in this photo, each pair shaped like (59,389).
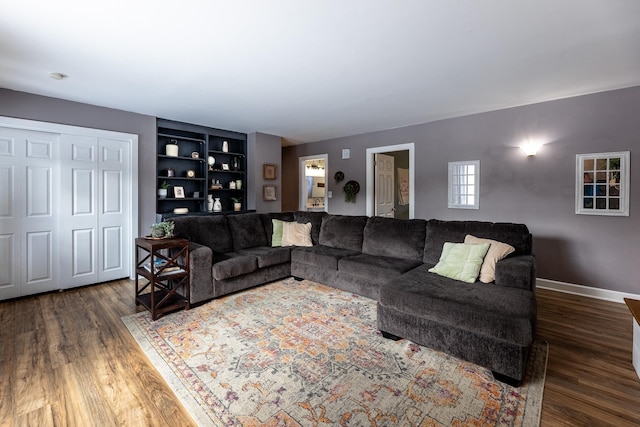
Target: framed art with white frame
(602,183)
(269,192)
(178,192)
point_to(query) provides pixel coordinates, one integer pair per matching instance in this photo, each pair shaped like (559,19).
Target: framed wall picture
(178,192)
(269,192)
(269,171)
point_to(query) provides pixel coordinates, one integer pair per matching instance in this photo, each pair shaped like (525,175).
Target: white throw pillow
(497,251)
(296,234)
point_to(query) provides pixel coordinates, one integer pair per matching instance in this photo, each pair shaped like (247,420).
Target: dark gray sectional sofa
(490,324)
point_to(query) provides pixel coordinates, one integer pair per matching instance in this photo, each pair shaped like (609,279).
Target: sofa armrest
(517,272)
(200,278)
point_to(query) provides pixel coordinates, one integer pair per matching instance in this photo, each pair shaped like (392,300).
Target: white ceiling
(318,69)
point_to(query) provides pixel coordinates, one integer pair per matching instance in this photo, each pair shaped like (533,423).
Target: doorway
(391,181)
(313,180)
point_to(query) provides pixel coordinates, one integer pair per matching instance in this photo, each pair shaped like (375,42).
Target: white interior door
(29,192)
(113,221)
(384,185)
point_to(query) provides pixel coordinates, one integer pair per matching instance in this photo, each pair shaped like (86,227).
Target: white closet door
(95,210)
(113,222)
(79,211)
(29,191)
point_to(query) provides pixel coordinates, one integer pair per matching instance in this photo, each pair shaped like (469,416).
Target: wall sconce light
(531,148)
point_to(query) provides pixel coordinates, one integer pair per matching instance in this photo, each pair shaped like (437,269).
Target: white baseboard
(586,291)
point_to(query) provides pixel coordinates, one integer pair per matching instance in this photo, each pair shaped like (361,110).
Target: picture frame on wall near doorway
(269,171)
(269,193)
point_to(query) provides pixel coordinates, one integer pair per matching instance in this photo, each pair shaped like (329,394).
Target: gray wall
(595,251)
(34,107)
(263,148)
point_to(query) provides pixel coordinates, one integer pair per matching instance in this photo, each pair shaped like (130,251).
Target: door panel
(114,253)
(78,210)
(384,185)
(28,188)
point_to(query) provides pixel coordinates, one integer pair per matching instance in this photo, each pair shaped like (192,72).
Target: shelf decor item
(162,230)
(225,146)
(237,203)
(210,203)
(238,184)
(178,192)
(236,164)
(211,161)
(217,206)
(351,189)
(172,148)
(163,190)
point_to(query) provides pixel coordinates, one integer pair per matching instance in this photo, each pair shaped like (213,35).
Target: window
(464,184)
(602,183)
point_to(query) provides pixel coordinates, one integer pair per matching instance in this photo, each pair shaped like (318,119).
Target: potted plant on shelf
(162,191)
(237,204)
(162,230)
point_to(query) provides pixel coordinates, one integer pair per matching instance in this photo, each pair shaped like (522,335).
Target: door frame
(302,189)
(371,178)
(36,125)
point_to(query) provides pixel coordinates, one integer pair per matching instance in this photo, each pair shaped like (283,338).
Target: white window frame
(464,185)
(590,194)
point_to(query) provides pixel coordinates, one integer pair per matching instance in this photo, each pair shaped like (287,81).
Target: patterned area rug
(303,354)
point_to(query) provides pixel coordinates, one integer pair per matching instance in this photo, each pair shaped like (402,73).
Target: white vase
(217,206)
(210,203)
(232,185)
(162,193)
(239,184)
(225,146)
(172,150)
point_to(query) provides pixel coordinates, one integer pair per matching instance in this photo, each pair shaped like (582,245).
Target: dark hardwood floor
(66,359)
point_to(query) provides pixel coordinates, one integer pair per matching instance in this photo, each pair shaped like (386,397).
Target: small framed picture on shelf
(269,171)
(269,192)
(225,166)
(178,192)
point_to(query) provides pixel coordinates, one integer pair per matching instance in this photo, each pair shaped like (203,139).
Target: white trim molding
(585,291)
(410,146)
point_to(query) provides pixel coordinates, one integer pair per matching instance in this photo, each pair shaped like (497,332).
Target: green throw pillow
(461,261)
(276,237)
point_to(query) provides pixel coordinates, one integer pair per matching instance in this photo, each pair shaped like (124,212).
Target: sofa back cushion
(342,232)
(247,231)
(209,230)
(315,218)
(439,232)
(399,238)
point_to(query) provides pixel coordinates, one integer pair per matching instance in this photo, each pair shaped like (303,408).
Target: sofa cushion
(438,232)
(320,256)
(397,238)
(516,235)
(233,264)
(315,218)
(461,261)
(497,251)
(208,230)
(296,234)
(375,268)
(247,231)
(343,232)
(267,255)
(502,312)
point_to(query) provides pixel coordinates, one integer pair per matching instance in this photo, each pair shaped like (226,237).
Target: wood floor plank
(67,359)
